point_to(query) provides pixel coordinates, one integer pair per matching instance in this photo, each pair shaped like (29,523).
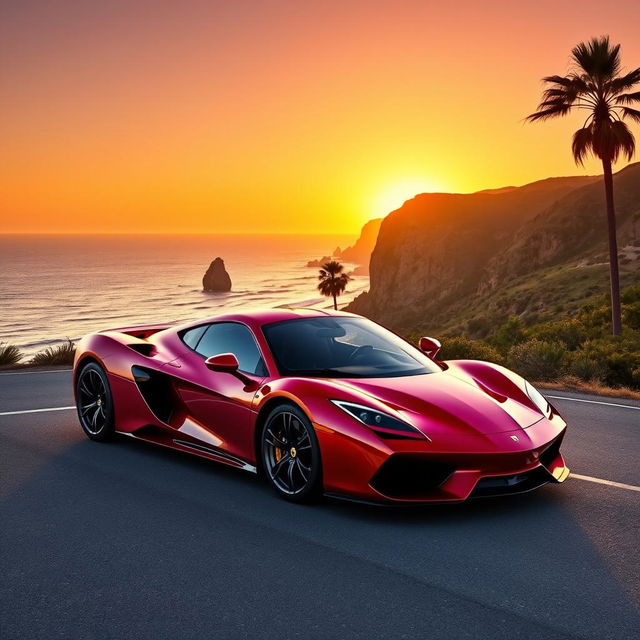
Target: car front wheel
(291,455)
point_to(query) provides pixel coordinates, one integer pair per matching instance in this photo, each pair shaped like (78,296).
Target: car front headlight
(538,399)
(377,420)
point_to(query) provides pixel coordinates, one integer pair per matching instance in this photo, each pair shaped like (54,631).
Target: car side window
(232,337)
(192,336)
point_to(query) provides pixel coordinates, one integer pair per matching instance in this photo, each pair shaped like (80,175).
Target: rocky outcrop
(320,262)
(440,254)
(360,253)
(216,278)
(573,228)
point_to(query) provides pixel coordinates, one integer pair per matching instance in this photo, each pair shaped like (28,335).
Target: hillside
(465,262)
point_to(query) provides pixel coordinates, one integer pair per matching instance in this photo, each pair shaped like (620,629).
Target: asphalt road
(125,540)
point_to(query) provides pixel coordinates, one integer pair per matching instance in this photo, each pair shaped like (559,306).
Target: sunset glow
(280,116)
(395,194)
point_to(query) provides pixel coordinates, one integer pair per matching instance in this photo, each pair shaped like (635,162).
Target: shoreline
(309,303)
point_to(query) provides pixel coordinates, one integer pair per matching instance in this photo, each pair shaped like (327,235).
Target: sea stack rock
(216,278)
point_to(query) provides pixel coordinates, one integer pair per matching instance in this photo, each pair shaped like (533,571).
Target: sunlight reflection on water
(58,286)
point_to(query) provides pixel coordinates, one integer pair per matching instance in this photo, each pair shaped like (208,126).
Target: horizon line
(173,233)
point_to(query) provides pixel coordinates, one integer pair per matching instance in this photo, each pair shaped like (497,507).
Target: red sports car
(322,403)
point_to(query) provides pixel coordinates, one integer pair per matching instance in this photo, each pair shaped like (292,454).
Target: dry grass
(52,356)
(597,388)
(9,354)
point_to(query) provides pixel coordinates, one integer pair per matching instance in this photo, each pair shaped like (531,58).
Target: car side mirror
(429,346)
(228,363)
(223,362)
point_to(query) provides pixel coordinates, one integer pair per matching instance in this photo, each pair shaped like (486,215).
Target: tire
(94,403)
(290,454)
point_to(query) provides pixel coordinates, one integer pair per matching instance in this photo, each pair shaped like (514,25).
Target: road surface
(125,540)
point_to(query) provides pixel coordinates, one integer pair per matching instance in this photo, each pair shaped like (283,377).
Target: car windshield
(342,347)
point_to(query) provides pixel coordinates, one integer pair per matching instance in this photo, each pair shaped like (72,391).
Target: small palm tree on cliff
(333,281)
(595,84)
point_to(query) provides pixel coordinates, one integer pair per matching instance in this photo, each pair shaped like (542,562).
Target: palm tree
(595,85)
(332,281)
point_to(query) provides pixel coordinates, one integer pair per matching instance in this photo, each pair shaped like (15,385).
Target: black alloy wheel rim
(288,453)
(92,401)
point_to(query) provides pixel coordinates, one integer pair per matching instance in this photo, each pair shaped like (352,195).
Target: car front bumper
(414,472)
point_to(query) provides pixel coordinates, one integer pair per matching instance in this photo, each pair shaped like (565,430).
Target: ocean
(57,287)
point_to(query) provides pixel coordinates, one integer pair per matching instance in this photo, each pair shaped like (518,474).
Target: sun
(394,195)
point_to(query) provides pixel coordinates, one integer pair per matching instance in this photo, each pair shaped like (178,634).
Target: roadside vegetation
(576,351)
(9,354)
(61,354)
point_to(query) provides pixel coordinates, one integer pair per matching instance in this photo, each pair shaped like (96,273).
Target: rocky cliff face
(360,252)
(572,229)
(439,255)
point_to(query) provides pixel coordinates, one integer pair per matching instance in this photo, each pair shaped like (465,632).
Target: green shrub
(580,346)
(538,359)
(462,348)
(618,357)
(9,354)
(631,294)
(569,331)
(631,315)
(587,368)
(596,317)
(482,326)
(58,355)
(619,372)
(507,335)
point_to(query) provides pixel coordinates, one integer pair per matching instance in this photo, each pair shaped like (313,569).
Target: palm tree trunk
(335,302)
(616,315)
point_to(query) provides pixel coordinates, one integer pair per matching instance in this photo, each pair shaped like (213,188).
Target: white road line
(25,373)
(17,413)
(608,404)
(609,483)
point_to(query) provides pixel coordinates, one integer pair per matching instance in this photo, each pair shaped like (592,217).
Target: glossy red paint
(477,430)
(223,362)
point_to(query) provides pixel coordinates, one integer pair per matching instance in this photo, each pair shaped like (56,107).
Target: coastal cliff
(454,261)
(357,254)
(360,252)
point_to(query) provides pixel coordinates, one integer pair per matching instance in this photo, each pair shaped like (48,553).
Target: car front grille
(403,476)
(516,483)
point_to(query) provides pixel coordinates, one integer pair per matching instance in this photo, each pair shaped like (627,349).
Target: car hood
(446,400)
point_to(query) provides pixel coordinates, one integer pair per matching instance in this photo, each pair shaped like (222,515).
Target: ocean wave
(137,283)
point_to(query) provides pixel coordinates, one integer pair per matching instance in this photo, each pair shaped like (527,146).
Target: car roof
(259,317)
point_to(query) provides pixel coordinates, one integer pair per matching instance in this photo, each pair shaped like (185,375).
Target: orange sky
(279,116)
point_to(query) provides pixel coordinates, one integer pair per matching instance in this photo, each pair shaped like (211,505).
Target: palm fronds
(593,85)
(332,280)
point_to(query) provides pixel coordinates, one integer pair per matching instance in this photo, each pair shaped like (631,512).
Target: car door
(220,402)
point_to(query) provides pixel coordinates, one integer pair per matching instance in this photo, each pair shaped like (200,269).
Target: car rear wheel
(95,402)
(291,455)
